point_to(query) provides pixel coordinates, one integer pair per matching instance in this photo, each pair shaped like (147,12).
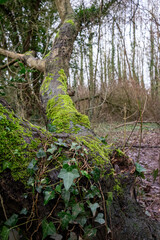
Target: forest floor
(142,146)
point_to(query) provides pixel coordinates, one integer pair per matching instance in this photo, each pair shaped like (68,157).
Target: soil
(143,148)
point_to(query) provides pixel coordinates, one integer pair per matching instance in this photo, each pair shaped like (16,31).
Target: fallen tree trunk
(63,186)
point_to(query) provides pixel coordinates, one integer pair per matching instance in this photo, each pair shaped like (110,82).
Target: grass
(117,131)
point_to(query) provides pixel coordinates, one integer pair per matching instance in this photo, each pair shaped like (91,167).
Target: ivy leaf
(68,177)
(39,189)
(6,164)
(5,233)
(48,195)
(66,196)
(85,173)
(65,217)
(32,166)
(41,153)
(103,140)
(155,174)
(59,188)
(96,174)
(52,149)
(49,158)
(30,181)
(94,191)
(11,222)
(47,228)
(90,232)
(77,209)
(73,236)
(81,220)
(100,218)
(56,236)
(44,180)
(75,146)
(140,170)
(23,211)
(93,208)
(51,128)
(61,143)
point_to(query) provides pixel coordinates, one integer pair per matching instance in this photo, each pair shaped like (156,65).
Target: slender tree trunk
(91,76)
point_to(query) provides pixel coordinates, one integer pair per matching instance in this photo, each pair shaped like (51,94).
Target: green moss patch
(46,83)
(64,116)
(17,146)
(62,112)
(70,21)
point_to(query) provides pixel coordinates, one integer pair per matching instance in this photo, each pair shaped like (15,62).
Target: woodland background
(115,64)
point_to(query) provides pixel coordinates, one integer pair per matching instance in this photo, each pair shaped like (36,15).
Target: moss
(63,80)
(46,83)
(29,53)
(57,35)
(47,55)
(117,187)
(97,150)
(70,21)
(15,151)
(63,114)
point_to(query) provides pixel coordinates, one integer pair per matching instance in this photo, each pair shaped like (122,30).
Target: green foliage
(100,218)
(93,208)
(90,232)
(155,174)
(52,149)
(109,200)
(51,128)
(13,146)
(41,153)
(119,152)
(70,21)
(75,184)
(49,194)
(11,222)
(8,225)
(3,1)
(4,233)
(68,174)
(140,170)
(48,229)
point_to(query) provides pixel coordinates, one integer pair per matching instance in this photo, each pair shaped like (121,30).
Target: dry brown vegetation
(126,100)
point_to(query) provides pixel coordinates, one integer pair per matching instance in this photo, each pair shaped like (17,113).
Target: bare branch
(8,64)
(27,58)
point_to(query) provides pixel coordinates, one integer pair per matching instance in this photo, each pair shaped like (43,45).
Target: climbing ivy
(62,176)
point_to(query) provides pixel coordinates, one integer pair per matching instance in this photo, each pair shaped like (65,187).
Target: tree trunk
(23,186)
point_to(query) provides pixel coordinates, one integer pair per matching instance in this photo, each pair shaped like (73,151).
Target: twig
(159,167)
(4,211)
(130,123)
(8,64)
(104,207)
